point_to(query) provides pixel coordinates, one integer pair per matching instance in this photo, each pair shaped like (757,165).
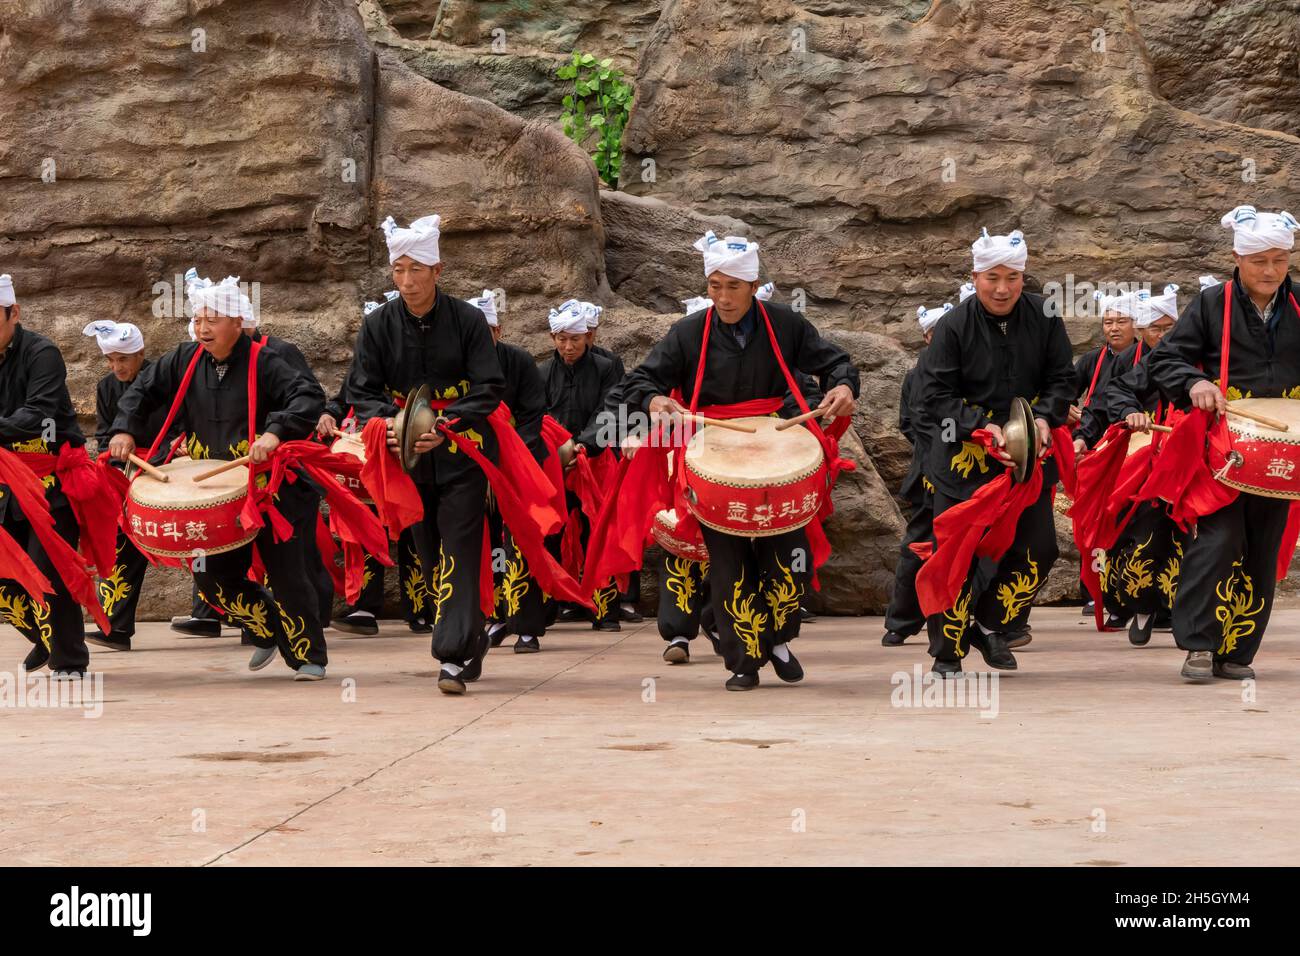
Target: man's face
(8,325)
(496,333)
(125,367)
(999,289)
(1118,331)
(217,333)
(1263,272)
(731,297)
(570,345)
(415,281)
(1154,332)
(928,336)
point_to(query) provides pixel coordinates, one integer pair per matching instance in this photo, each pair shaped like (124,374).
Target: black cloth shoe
(36,658)
(357,622)
(527,645)
(1164,621)
(806,616)
(196,627)
(742,682)
(419,625)
(606,626)
(993,648)
(1018,639)
(628,613)
(1137,634)
(112,640)
(1230,671)
(474,666)
(1087,609)
(498,632)
(1115,621)
(713,639)
(450,683)
(893,639)
(677,653)
(790,671)
(946,668)
(569,613)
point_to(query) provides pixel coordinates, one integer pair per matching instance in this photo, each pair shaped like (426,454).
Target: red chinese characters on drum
(1263,460)
(181,518)
(756,485)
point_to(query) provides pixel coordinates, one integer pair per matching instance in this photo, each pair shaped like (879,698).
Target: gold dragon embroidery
(113,589)
(971,455)
(746,622)
(783,596)
(681,582)
(1016,595)
(514,583)
(442,587)
(1168,579)
(1136,573)
(955,621)
(294,628)
(1237,592)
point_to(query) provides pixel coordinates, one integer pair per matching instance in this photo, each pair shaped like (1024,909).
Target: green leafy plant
(596,111)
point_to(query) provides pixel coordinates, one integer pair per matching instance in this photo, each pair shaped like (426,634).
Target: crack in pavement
(421,749)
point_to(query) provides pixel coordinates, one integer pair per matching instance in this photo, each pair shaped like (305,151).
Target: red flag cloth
(73,569)
(1289,537)
(329,549)
(1095,526)
(523,495)
(1063,452)
(116,483)
(396,498)
(486,586)
(95,504)
(983,526)
(553,436)
(1182,475)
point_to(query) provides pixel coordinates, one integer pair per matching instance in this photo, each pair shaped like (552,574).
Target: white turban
(696,304)
(6,292)
(116,337)
(1136,305)
(967,290)
(993,251)
(371,306)
(765,292)
(224,297)
(1165,304)
(733,256)
(591,312)
(487,304)
(1209,282)
(1260,231)
(569,317)
(419,240)
(929,318)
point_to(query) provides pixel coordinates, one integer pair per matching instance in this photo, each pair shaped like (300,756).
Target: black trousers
(1142,569)
(683,595)
(201,610)
(904,613)
(1228,579)
(452,540)
(304,531)
(998,595)
(755,587)
(413,585)
(120,593)
(633,592)
(287,616)
(56,621)
(519,602)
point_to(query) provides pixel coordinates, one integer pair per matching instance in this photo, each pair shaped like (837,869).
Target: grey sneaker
(261,657)
(1230,671)
(1199,666)
(310,672)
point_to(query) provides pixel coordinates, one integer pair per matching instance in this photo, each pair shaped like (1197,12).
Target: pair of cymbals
(417,417)
(1023,443)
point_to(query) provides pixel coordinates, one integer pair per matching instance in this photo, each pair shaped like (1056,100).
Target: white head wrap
(1165,304)
(6,292)
(1136,305)
(487,304)
(993,251)
(569,317)
(697,304)
(389,296)
(116,337)
(929,318)
(224,297)
(591,312)
(1209,282)
(1260,231)
(419,240)
(733,256)
(967,290)
(765,292)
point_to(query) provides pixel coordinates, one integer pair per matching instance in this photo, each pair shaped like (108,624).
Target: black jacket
(576,394)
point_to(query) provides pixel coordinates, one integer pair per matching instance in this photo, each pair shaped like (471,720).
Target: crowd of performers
(528,503)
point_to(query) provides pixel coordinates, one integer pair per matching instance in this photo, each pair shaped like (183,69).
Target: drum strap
(176,407)
(1096,373)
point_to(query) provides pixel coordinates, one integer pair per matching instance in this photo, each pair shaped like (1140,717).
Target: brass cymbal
(1023,443)
(414,420)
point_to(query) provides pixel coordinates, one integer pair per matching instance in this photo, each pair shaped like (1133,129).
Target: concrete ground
(595,751)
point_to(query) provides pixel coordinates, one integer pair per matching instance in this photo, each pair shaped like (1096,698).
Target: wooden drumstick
(800,419)
(723,423)
(1264,420)
(222,469)
(147,468)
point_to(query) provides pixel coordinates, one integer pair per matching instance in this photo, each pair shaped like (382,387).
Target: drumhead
(347,446)
(1138,441)
(1283,409)
(181,491)
(764,459)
